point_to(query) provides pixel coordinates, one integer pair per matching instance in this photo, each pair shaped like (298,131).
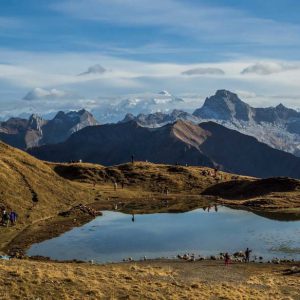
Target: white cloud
(267,68)
(245,94)
(55,73)
(203,71)
(95,69)
(40,94)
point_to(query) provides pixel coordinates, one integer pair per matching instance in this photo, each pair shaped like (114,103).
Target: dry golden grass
(33,189)
(21,279)
(270,193)
(145,176)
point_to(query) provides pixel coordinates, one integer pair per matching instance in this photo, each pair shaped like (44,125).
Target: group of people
(116,184)
(8,218)
(246,257)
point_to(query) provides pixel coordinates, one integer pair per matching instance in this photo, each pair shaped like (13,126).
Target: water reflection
(206,231)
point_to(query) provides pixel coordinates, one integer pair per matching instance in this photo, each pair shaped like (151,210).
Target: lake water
(115,236)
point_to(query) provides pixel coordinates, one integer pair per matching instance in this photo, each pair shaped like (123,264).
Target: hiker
(247,255)
(115,185)
(166,191)
(2,215)
(5,218)
(216,169)
(132,158)
(132,219)
(13,217)
(227,259)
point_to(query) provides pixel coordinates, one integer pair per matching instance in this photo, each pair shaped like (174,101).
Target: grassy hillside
(145,176)
(33,189)
(271,193)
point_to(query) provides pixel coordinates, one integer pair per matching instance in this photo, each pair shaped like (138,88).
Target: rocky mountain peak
(36,122)
(224,105)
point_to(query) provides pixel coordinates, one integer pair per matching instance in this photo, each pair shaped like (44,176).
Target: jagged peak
(281,107)
(128,117)
(59,114)
(35,117)
(225,93)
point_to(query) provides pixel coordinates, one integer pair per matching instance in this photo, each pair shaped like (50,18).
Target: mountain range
(183,142)
(36,131)
(279,126)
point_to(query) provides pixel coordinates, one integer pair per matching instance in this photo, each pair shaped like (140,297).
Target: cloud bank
(203,71)
(267,68)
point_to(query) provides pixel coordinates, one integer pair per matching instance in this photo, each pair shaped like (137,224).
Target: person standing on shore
(227,259)
(247,255)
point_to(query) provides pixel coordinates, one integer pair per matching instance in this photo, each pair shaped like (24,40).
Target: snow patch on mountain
(146,103)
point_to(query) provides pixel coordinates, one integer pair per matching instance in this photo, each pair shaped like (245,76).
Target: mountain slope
(31,187)
(35,131)
(116,143)
(183,142)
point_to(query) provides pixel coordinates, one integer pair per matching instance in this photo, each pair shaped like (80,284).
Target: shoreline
(58,225)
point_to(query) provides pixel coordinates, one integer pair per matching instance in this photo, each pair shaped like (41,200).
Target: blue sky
(146,46)
(177,31)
